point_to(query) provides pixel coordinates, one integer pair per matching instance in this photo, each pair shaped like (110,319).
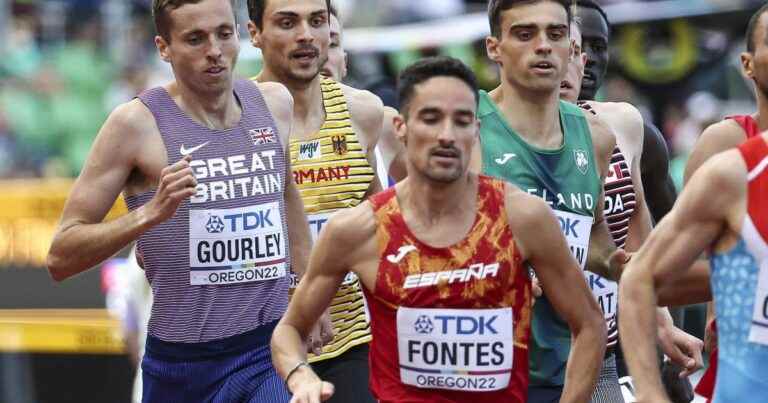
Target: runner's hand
(306,387)
(617,262)
(682,349)
(177,183)
(321,334)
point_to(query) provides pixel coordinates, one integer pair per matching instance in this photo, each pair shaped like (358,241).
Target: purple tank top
(218,267)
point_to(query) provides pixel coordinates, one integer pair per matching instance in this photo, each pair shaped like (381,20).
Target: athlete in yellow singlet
(335,130)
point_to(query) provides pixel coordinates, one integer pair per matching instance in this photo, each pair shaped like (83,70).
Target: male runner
(202,164)
(596,35)
(730,133)
(336,66)
(335,130)
(722,209)
(548,148)
(629,221)
(442,257)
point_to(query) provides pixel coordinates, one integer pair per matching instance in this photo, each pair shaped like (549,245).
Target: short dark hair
(752,27)
(332,10)
(425,69)
(256,10)
(496,7)
(593,5)
(161,9)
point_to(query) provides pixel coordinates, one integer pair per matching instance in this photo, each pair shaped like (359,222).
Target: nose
(214,50)
(543,44)
(305,33)
(447,134)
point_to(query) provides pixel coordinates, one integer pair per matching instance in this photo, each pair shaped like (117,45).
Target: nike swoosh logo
(187,151)
(503,160)
(404,250)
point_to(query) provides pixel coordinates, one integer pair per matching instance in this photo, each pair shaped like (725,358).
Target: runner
(629,221)
(721,209)
(335,130)
(548,148)
(202,164)
(730,133)
(336,66)
(442,256)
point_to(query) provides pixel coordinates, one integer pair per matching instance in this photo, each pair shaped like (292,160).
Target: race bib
(238,245)
(316,223)
(758,332)
(627,389)
(455,349)
(606,293)
(577,230)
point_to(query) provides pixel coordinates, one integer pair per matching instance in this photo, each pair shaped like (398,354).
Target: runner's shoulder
(365,108)
(352,226)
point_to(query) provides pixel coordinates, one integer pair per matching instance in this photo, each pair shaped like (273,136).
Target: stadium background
(64,64)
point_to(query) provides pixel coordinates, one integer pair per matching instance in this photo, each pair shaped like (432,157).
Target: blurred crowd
(65,64)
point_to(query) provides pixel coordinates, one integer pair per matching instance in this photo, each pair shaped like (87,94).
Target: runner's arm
(543,245)
(82,240)
(695,223)
(330,261)
(655,173)
(280,104)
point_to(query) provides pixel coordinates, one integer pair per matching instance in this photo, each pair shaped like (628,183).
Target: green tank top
(567,179)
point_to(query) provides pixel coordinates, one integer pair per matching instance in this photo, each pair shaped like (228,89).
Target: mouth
(326,73)
(589,79)
(566,85)
(216,70)
(305,55)
(543,67)
(446,154)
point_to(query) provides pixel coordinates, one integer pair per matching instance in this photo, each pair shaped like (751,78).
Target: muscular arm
(331,259)
(660,190)
(82,240)
(280,104)
(698,220)
(601,246)
(543,245)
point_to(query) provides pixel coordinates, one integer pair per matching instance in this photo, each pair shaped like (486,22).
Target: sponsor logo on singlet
(477,271)
(455,349)
(310,150)
(236,245)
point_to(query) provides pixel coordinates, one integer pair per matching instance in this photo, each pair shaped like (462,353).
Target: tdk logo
(214,225)
(568,225)
(249,221)
(466,325)
(423,325)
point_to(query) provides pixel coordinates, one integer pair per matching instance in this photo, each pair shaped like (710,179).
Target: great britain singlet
(449,324)
(567,179)
(740,288)
(332,172)
(218,267)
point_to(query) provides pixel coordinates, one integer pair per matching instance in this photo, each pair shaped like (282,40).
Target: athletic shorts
(234,369)
(349,375)
(544,394)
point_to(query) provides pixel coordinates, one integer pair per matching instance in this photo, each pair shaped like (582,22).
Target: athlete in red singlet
(730,133)
(443,259)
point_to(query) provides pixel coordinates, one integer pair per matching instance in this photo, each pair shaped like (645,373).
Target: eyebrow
(534,26)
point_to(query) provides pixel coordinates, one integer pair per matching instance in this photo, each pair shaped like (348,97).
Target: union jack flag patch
(263,135)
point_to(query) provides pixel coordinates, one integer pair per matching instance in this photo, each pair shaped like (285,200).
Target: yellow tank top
(332,172)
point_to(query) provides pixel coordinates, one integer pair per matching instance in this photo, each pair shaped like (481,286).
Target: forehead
(448,94)
(205,15)
(592,23)
(300,7)
(760,36)
(542,13)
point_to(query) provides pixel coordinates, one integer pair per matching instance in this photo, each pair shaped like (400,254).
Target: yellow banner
(29,213)
(76,331)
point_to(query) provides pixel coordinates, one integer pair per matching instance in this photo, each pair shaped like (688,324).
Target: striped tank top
(218,268)
(332,172)
(450,324)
